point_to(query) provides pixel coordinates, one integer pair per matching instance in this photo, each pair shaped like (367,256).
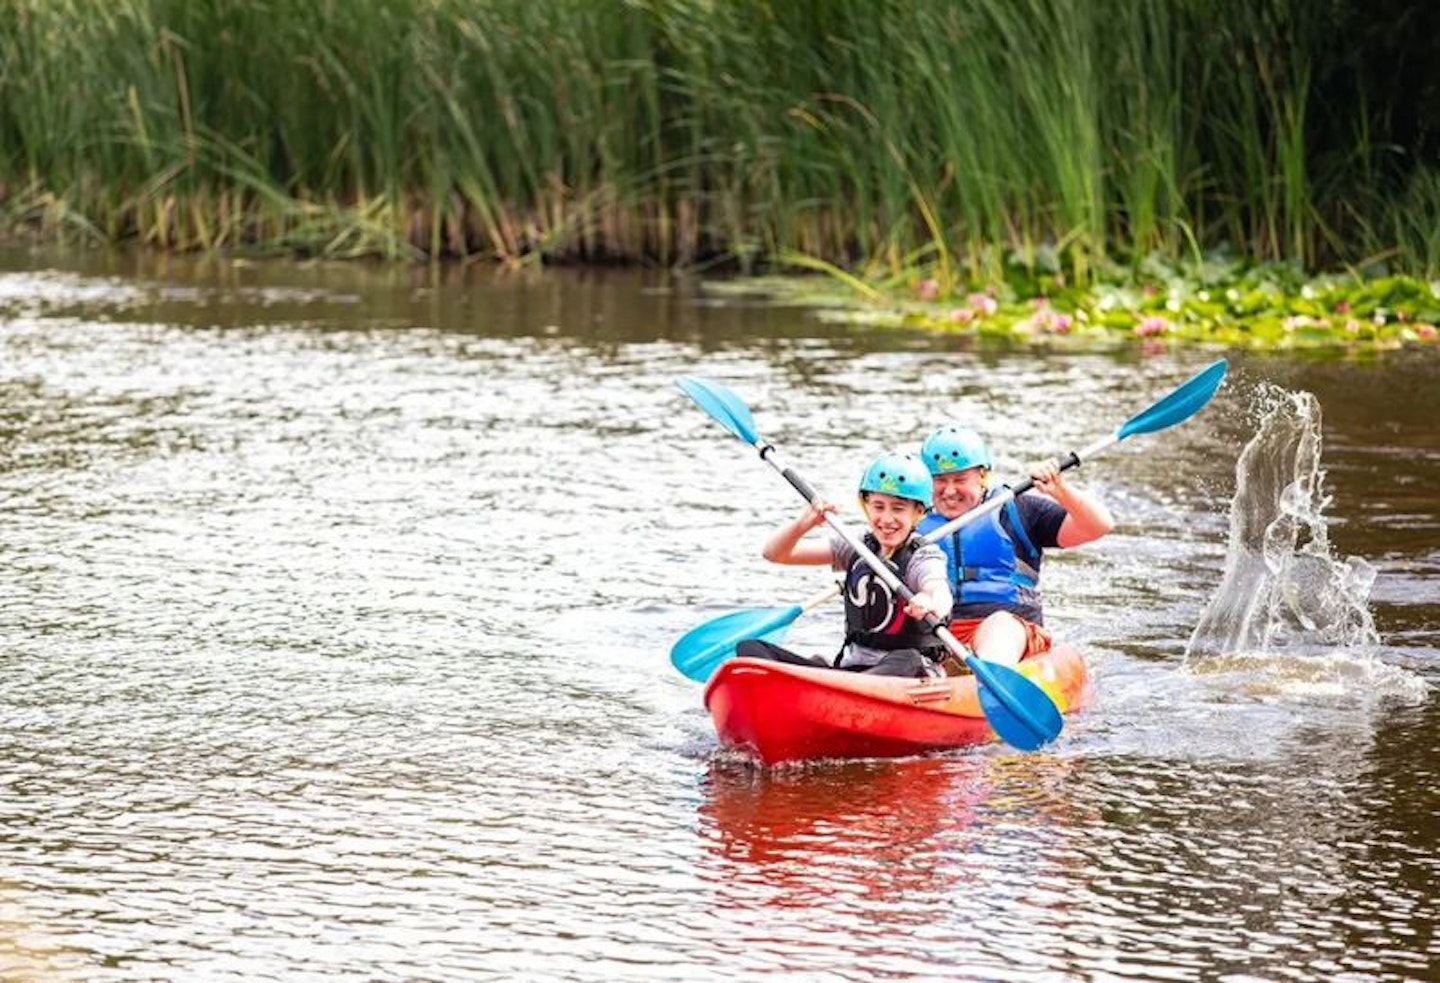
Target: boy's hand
(815,515)
(923,604)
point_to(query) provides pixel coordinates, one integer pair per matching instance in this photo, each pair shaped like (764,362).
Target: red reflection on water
(921,831)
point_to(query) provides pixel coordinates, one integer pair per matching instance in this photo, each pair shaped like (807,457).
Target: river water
(337,603)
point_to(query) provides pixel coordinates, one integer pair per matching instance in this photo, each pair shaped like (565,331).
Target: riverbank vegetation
(1228,304)
(946,146)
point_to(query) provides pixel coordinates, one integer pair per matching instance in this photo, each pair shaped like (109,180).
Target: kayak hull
(780,713)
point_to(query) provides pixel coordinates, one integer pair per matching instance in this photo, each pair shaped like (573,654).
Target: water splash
(1283,591)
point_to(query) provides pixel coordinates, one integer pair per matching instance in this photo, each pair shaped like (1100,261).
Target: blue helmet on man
(954,448)
(899,474)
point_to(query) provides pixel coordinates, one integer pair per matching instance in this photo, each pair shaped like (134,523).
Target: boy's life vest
(874,614)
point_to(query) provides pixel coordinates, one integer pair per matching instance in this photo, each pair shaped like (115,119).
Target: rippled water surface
(337,604)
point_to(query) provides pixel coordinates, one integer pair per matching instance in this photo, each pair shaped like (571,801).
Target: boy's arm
(933,595)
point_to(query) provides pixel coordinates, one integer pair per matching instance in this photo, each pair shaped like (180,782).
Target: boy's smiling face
(891,519)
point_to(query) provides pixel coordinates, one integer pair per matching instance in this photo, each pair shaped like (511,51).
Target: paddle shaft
(999,501)
(879,566)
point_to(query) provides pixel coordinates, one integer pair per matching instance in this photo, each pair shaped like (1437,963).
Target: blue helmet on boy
(898,474)
(954,448)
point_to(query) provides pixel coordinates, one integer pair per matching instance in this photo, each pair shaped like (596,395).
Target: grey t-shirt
(925,572)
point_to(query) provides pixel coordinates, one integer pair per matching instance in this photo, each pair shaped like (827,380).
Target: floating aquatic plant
(1219,302)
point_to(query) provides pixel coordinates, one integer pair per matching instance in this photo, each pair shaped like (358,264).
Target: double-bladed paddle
(1018,710)
(700,651)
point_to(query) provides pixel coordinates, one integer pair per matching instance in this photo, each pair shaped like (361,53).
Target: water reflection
(969,853)
(883,827)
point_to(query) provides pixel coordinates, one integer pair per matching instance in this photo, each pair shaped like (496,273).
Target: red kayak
(780,712)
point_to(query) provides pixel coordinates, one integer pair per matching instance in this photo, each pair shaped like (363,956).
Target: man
(994,562)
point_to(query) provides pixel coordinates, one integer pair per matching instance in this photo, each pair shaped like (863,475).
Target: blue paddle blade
(701,650)
(1016,707)
(1180,405)
(722,404)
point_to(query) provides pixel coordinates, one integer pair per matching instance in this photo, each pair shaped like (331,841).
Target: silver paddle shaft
(879,566)
(1072,460)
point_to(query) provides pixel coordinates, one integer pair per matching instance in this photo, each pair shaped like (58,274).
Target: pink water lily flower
(928,289)
(1058,323)
(1152,326)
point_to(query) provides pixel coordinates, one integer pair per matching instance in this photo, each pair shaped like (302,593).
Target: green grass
(966,141)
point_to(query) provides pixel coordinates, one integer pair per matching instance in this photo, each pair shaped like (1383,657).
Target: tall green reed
(959,139)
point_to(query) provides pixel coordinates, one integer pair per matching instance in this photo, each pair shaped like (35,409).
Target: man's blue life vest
(992,564)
